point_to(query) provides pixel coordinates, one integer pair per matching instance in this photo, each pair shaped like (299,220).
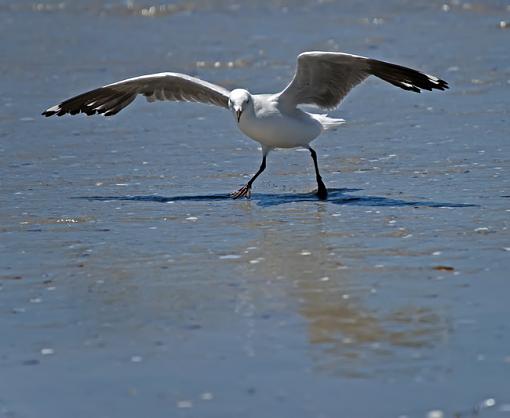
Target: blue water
(132,285)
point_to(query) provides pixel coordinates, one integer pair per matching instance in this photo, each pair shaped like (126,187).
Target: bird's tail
(327,122)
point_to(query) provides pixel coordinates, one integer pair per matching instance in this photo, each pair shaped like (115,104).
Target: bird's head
(238,101)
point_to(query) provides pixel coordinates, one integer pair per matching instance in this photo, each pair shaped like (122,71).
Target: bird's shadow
(335,196)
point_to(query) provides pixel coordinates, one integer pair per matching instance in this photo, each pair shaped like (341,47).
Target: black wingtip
(429,84)
(406,78)
(436,83)
(51,111)
(443,85)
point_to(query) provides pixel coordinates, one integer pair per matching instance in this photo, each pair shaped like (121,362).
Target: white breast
(266,124)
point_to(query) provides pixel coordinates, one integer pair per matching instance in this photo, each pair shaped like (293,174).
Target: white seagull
(275,120)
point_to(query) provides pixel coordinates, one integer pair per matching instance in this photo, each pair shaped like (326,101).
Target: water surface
(132,285)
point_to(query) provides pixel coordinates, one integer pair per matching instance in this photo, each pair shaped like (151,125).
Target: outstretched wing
(325,78)
(112,98)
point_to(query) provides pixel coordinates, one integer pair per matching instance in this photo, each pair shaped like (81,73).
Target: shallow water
(131,284)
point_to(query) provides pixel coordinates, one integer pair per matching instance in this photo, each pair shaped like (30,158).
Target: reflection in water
(346,336)
(356,341)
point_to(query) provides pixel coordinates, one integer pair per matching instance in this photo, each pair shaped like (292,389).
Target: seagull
(322,79)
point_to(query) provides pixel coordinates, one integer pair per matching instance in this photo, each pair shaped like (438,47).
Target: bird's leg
(322,192)
(245,191)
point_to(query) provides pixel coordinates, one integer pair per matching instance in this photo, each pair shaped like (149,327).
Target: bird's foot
(244,191)
(322,192)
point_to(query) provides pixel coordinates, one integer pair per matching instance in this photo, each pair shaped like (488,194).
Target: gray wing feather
(112,98)
(325,78)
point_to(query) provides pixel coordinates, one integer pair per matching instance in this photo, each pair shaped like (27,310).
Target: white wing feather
(325,78)
(112,98)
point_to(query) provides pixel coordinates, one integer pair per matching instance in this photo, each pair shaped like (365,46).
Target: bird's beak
(238,114)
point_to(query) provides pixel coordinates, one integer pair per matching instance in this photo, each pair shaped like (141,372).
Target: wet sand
(132,285)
